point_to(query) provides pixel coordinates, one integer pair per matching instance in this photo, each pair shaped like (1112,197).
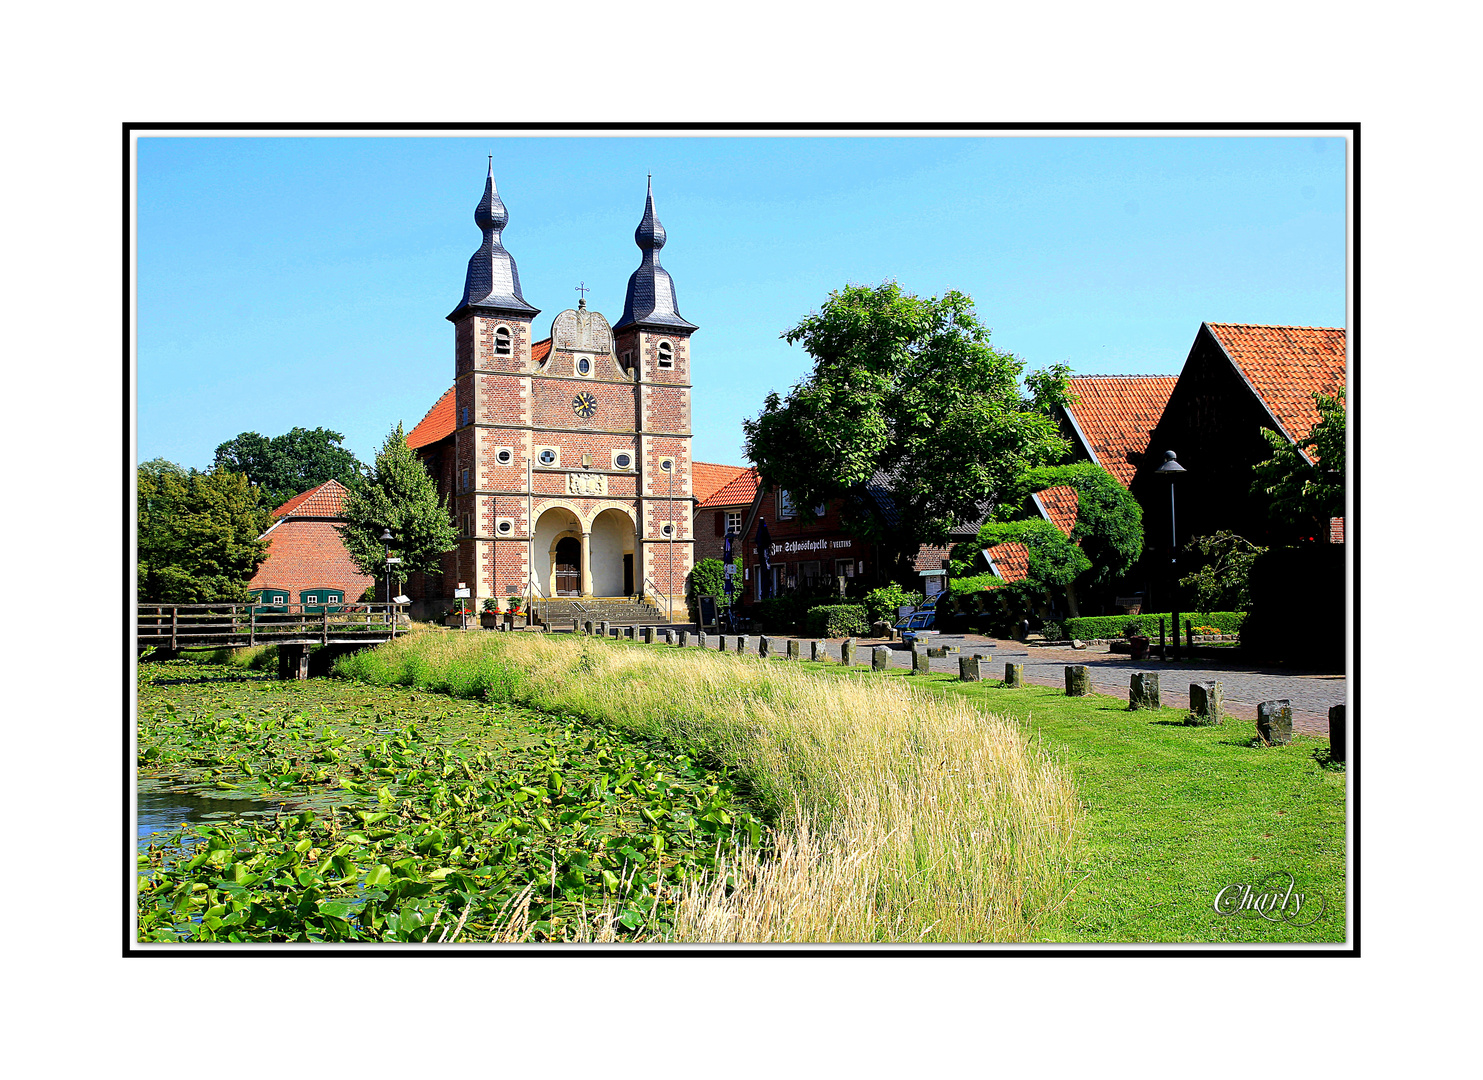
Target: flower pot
(1140,647)
(489,619)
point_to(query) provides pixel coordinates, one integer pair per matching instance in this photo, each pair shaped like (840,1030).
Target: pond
(161,811)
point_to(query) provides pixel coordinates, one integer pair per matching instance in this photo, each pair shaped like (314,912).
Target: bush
(881,604)
(1052,631)
(778,614)
(1114,626)
(708,578)
(837,620)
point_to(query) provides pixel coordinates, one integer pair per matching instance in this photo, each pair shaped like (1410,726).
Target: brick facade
(305,551)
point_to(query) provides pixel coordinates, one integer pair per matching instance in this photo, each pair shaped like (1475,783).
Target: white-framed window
(502,341)
(504,527)
(666,355)
(548,456)
(785,506)
(622,459)
(583,366)
(666,529)
(734,521)
(503,455)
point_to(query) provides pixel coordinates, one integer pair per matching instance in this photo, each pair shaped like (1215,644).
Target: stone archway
(567,557)
(612,552)
(554,524)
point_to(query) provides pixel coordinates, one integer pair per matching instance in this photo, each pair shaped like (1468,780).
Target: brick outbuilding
(305,553)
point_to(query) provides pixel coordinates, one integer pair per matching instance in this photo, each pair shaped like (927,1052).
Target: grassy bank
(897,817)
(1173,814)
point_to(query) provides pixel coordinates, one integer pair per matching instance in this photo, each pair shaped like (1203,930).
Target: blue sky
(304,281)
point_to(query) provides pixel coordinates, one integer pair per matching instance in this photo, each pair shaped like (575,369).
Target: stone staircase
(620,611)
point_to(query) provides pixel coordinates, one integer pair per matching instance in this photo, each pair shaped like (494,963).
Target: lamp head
(1171,467)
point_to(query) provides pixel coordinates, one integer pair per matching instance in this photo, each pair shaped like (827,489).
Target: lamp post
(668,466)
(386,539)
(1172,469)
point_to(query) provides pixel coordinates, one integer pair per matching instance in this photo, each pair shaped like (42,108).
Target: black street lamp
(1172,469)
(386,539)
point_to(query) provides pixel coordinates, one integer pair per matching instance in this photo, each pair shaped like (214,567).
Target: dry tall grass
(899,816)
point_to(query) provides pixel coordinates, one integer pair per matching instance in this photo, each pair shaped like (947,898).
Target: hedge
(1115,626)
(777,614)
(837,620)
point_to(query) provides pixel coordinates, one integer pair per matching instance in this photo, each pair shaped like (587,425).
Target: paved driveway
(1311,693)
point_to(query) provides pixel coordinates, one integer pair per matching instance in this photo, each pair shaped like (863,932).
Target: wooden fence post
(174,616)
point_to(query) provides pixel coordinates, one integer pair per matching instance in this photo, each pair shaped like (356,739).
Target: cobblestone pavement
(1311,693)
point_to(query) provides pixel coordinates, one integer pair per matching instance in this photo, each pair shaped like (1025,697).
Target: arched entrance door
(568,566)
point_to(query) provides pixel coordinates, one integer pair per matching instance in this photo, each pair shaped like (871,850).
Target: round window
(503,457)
(504,526)
(548,456)
(584,365)
(624,461)
(667,529)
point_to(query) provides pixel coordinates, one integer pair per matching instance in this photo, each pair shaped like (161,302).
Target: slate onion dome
(650,301)
(492,284)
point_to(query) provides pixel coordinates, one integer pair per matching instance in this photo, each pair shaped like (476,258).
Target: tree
(1300,491)
(706,578)
(287,464)
(198,534)
(909,388)
(1222,583)
(1105,541)
(397,494)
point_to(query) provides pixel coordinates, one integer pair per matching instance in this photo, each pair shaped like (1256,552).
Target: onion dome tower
(650,301)
(492,284)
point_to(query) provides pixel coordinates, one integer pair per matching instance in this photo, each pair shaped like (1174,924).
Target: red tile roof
(739,492)
(1116,414)
(325,501)
(707,479)
(540,350)
(1284,365)
(1010,561)
(1059,506)
(436,425)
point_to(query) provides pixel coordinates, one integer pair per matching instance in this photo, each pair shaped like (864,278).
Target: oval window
(624,461)
(667,529)
(503,457)
(504,526)
(548,456)
(584,365)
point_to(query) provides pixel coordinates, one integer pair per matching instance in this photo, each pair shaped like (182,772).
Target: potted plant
(513,615)
(1137,639)
(456,613)
(489,617)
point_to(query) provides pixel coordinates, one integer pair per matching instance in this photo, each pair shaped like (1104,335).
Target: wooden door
(568,567)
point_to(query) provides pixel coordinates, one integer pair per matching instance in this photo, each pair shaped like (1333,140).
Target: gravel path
(1311,693)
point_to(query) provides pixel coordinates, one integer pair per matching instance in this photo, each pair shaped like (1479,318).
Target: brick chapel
(565,460)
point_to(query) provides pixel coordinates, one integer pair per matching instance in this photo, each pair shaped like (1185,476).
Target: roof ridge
(433,406)
(1277,326)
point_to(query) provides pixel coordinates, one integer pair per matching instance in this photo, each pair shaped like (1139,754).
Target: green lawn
(1175,813)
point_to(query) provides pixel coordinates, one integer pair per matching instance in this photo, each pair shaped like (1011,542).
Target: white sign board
(460,592)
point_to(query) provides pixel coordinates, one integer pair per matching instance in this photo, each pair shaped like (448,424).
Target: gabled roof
(1284,365)
(325,501)
(707,479)
(1058,505)
(1010,561)
(1114,416)
(739,491)
(437,424)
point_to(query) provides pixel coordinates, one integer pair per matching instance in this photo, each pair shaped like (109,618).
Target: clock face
(584,405)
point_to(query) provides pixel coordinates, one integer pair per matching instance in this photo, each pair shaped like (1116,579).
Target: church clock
(584,405)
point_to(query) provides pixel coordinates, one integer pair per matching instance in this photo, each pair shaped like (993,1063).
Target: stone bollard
(1078,682)
(1337,740)
(984,656)
(700,639)
(605,628)
(589,627)
(629,632)
(847,652)
(741,643)
(920,663)
(684,639)
(764,647)
(880,658)
(970,669)
(669,636)
(1274,722)
(1014,675)
(881,629)
(818,651)
(795,649)
(648,635)
(1144,691)
(720,642)
(1206,704)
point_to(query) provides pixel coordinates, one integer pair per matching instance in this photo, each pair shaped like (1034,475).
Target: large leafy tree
(284,465)
(198,534)
(909,388)
(1300,492)
(1222,582)
(397,494)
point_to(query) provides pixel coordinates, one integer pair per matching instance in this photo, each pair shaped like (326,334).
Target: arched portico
(612,552)
(577,557)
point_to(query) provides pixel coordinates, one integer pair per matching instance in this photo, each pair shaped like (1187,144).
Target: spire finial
(651,292)
(492,281)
